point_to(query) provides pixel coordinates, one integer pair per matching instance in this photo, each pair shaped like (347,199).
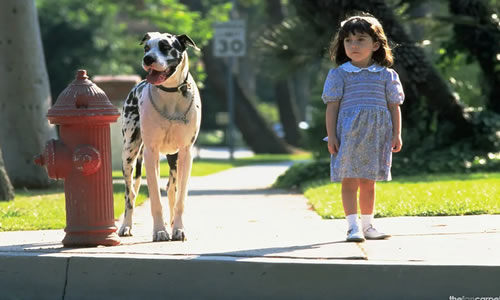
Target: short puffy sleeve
(393,89)
(334,86)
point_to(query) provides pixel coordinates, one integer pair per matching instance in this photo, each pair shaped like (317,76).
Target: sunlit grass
(32,210)
(203,167)
(431,195)
(45,209)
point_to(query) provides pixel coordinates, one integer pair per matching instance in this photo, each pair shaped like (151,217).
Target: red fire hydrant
(82,157)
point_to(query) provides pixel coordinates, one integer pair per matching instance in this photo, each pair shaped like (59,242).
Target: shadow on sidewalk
(42,248)
(287,252)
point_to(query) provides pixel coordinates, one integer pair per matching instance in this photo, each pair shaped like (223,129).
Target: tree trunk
(287,107)
(288,112)
(418,75)
(300,85)
(6,189)
(480,39)
(256,133)
(24,93)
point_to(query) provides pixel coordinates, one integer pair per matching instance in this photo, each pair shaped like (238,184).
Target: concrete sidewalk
(247,241)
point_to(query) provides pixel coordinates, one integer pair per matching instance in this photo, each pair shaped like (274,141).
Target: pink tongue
(156,77)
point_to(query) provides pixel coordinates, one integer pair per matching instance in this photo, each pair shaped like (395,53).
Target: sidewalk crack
(363,250)
(66,279)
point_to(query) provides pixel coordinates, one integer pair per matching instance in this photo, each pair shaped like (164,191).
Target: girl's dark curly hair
(363,23)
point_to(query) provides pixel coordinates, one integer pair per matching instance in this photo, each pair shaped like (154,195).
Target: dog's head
(163,52)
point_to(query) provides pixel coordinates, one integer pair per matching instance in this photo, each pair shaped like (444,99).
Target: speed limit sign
(229,39)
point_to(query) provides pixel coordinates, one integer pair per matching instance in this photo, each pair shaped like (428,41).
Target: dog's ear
(187,41)
(147,37)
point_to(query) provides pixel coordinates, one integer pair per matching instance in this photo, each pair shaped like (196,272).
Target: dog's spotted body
(161,115)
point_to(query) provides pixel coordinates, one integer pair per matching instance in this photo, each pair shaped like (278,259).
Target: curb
(136,277)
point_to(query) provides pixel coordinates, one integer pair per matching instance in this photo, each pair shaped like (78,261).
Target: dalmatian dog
(161,115)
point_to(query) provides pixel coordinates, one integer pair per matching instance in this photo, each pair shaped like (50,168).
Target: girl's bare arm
(332,111)
(397,141)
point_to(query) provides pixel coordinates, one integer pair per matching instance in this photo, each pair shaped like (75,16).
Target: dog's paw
(178,235)
(125,231)
(161,236)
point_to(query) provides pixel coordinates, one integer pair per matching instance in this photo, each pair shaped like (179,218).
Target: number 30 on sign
(229,39)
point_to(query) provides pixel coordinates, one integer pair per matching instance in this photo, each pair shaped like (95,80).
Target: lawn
(203,167)
(45,209)
(430,195)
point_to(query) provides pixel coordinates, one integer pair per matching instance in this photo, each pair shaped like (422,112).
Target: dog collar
(181,88)
(182,118)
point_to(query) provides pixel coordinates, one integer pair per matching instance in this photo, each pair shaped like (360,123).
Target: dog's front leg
(185,162)
(152,160)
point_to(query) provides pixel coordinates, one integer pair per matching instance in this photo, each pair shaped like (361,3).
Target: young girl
(363,118)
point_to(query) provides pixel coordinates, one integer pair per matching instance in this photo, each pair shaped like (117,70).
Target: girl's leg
(350,202)
(366,202)
(366,196)
(349,195)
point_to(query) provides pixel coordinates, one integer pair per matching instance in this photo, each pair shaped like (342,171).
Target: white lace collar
(348,67)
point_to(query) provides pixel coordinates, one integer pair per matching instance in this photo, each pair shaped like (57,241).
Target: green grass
(429,195)
(45,209)
(203,167)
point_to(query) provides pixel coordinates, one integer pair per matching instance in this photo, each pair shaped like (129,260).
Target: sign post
(230,42)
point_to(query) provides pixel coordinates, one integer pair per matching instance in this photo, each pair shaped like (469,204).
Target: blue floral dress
(364,124)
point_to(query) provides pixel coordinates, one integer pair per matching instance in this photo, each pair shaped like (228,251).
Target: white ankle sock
(366,221)
(352,221)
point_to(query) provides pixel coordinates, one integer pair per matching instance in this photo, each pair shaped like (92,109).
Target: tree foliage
(432,142)
(477,34)
(93,34)
(102,36)
(81,34)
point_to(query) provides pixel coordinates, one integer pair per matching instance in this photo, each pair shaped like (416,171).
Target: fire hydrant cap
(82,101)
